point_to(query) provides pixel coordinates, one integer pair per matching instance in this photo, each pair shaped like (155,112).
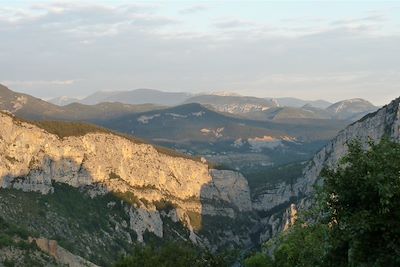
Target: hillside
(284,108)
(284,113)
(138,96)
(97,193)
(234,142)
(29,107)
(298,103)
(230,141)
(63,100)
(351,109)
(233,104)
(196,122)
(348,110)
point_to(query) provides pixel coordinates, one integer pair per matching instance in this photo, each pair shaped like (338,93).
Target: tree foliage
(174,254)
(356,221)
(361,199)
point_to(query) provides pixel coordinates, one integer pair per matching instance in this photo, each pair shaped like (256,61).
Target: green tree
(302,246)
(174,254)
(356,219)
(360,201)
(258,260)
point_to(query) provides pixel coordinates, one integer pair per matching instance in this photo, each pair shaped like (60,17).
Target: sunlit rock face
(32,159)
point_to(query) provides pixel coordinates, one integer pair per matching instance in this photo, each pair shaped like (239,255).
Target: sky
(330,50)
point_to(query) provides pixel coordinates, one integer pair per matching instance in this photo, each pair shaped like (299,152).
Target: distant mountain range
(228,140)
(285,108)
(33,108)
(194,128)
(352,109)
(193,122)
(138,96)
(297,103)
(243,106)
(348,110)
(63,100)
(234,104)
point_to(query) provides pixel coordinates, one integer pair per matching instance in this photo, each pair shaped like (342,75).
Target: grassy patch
(195,220)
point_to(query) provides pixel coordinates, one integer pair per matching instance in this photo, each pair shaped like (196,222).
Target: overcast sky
(311,50)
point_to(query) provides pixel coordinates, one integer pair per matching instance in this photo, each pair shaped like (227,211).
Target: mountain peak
(351,107)
(224,93)
(63,100)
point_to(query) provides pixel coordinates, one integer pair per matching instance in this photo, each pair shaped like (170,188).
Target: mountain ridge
(33,108)
(384,122)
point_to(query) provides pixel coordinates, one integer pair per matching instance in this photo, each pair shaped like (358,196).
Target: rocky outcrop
(229,186)
(60,254)
(142,219)
(32,159)
(291,216)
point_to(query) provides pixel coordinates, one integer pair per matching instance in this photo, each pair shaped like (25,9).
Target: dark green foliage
(258,260)
(5,240)
(361,199)
(271,176)
(173,254)
(356,220)
(92,228)
(9,263)
(302,246)
(65,129)
(12,230)
(15,239)
(71,217)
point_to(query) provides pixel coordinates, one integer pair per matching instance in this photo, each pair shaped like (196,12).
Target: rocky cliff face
(32,159)
(373,127)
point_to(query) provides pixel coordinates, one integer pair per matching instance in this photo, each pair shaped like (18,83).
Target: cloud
(233,23)
(192,9)
(39,83)
(371,18)
(127,47)
(75,17)
(304,19)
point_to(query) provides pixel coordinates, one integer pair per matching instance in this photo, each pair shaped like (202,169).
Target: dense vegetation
(174,254)
(356,219)
(98,228)
(65,129)
(262,178)
(17,250)
(79,223)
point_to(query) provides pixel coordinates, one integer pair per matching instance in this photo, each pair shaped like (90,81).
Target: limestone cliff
(372,127)
(32,159)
